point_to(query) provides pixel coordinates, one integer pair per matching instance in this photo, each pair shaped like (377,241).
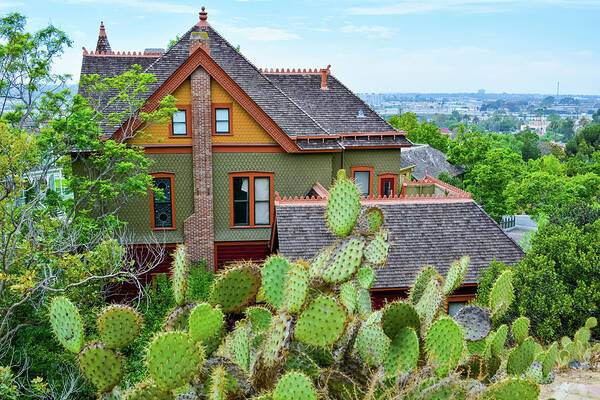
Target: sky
(427,46)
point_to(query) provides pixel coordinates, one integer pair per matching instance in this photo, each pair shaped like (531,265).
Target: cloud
(11,4)
(149,6)
(260,33)
(371,31)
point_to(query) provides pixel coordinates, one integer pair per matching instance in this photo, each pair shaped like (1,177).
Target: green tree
(585,143)
(425,132)
(470,147)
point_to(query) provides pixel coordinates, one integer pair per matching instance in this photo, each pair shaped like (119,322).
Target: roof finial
(102,31)
(203,14)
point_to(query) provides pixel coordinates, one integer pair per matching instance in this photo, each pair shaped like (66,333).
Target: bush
(578,214)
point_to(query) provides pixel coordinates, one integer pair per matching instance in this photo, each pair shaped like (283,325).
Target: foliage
(585,143)
(425,132)
(578,214)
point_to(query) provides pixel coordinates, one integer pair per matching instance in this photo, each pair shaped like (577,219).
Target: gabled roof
(428,161)
(423,230)
(296,115)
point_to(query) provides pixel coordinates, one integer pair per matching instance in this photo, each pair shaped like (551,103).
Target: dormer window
(361,114)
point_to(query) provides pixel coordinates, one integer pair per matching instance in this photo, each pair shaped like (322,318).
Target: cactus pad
(118,325)
(277,338)
(317,266)
(66,324)
(512,389)
(444,345)
(294,386)
(520,329)
(474,368)
(205,322)
(241,347)
(397,316)
(348,296)
(365,277)
(259,318)
(426,274)
(102,366)
(502,294)
(376,251)
(456,275)
(369,221)
(321,323)
(582,335)
(591,323)
(475,321)
(274,274)
(403,352)
(173,359)
(372,344)
(179,275)
(521,358)
(345,259)
(146,391)
(430,303)
(497,342)
(178,318)
(549,359)
(535,373)
(363,302)
(235,287)
(477,347)
(343,205)
(296,287)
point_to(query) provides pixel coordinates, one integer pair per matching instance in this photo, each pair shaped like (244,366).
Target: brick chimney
(199,227)
(324,73)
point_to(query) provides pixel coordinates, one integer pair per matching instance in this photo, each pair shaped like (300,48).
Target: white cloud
(11,4)
(370,31)
(259,33)
(149,6)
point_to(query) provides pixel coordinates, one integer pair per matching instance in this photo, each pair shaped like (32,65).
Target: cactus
(173,359)
(521,358)
(365,277)
(512,389)
(549,359)
(205,322)
(317,266)
(369,221)
(146,391)
(423,278)
(66,324)
(456,275)
(397,316)
(296,287)
(376,251)
(430,303)
(321,323)
(591,323)
(477,347)
(348,296)
(300,361)
(520,329)
(363,302)
(372,344)
(535,373)
(235,287)
(274,273)
(345,259)
(474,368)
(118,326)
(294,386)
(178,318)
(179,274)
(277,339)
(403,352)
(498,341)
(502,294)
(241,347)
(220,384)
(259,318)
(343,205)
(102,366)
(475,321)
(444,345)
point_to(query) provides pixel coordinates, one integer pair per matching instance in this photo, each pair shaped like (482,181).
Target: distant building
(538,127)
(446,131)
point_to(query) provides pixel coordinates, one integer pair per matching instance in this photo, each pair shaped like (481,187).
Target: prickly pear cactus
(296,287)
(317,266)
(475,321)
(502,294)
(549,359)
(423,278)
(430,303)
(274,273)
(365,277)
(343,205)
(235,287)
(512,389)
(444,345)
(349,296)
(205,322)
(102,366)
(277,339)
(294,386)
(259,318)
(66,324)
(369,221)
(456,275)
(520,329)
(397,316)
(372,344)
(591,323)
(521,358)
(363,302)
(146,391)
(403,352)
(498,341)
(118,325)
(376,251)
(179,274)
(345,259)
(321,323)
(241,347)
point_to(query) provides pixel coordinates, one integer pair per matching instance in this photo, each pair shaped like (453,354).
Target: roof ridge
(499,227)
(167,52)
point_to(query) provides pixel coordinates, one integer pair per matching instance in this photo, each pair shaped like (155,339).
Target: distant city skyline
(429,46)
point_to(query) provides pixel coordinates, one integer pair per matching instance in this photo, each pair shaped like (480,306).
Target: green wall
(383,161)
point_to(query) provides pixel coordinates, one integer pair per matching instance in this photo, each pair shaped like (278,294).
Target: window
(162,204)
(387,184)
(455,307)
(251,199)
(221,119)
(181,124)
(363,177)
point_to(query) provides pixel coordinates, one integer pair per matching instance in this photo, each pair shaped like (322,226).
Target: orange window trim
(384,176)
(163,175)
(213,118)
(188,123)
(367,169)
(251,175)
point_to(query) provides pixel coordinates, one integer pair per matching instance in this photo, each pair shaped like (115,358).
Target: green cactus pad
(426,274)
(259,318)
(295,386)
(502,294)
(444,345)
(477,347)
(376,251)
(179,274)
(102,366)
(118,325)
(66,324)
(274,274)
(296,287)
(299,361)
(534,372)
(583,335)
(173,359)
(498,341)
(521,358)
(220,384)
(374,318)
(456,275)
(403,352)
(205,322)
(146,391)
(397,316)
(549,359)
(235,287)
(365,277)
(319,262)
(241,347)
(277,339)
(363,302)
(520,329)
(348,296)
(473,368)
(369,221)
(591,323)
(345,259)
(343,205)
(178,318)
(372,344)
(511,389)
(475,321)
(430,303)
(321,323)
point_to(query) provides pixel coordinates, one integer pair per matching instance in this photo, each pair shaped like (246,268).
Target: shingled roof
(434,231)
(295,103)
(428,161)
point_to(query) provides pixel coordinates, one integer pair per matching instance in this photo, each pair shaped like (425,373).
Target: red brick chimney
(324,73)
(199,227)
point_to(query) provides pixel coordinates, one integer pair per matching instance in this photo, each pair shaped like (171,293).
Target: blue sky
(515,46)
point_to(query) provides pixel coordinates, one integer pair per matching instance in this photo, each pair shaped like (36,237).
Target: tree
(585,143)
(470,147)
(530,148)
(596,117)
(425,132)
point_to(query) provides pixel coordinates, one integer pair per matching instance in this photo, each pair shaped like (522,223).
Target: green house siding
(294,175)
(137,212)
(383,161)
